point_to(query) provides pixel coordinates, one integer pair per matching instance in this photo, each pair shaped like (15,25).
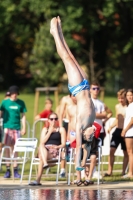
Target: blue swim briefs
(84,85)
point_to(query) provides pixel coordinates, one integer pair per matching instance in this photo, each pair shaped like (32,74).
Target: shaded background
(99,33)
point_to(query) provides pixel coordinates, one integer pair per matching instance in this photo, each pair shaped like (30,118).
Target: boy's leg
(111,159)
(66,46)
(92,165)
(78,145)
(115,141)
(15,135)
(8,171)
(6,141)
(86,152)
(125,158)
(74,75)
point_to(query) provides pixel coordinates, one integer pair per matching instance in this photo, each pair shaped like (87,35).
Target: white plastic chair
(23,146)
(28,129)
(40,127)
(54,161)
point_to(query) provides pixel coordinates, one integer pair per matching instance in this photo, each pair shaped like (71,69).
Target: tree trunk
(127,70)
(91,54)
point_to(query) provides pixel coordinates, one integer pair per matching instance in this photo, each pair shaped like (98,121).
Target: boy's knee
(93,158)
(112,151)
(66,57)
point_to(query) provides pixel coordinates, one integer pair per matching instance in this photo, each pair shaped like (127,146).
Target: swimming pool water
(69,194)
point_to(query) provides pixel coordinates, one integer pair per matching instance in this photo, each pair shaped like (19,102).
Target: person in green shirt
(12,110)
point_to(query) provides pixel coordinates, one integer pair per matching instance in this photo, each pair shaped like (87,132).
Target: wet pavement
(62,184)
(13,190)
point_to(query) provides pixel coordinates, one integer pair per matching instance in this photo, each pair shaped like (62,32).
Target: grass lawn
(29,101)
(30,98)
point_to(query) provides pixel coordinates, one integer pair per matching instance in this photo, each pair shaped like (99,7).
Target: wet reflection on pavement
(69,194)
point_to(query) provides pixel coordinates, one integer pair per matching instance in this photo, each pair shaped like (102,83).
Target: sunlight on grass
(29,101)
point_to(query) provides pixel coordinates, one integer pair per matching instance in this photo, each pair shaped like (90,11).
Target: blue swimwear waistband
(84,85)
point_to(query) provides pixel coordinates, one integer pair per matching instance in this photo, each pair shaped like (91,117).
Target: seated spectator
(52,139)
(47,110)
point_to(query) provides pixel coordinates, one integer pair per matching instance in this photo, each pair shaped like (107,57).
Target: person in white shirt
(99,107)
(100,113)
(127,132)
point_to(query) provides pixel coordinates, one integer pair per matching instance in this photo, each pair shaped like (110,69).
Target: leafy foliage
(99,33)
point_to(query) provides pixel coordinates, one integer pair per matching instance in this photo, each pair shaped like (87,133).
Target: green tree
(45,65)
(17,25)
(99,33)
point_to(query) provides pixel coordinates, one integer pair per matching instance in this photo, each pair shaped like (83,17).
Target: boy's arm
(109,114)
(62,110)
(23,121)
(101,115)
(115,122)
(1,113)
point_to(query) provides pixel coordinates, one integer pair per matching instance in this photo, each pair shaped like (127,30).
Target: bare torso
(85,109)
(65,102)
(120,115)
(71,115)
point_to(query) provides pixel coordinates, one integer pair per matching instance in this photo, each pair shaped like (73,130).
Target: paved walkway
(10,184)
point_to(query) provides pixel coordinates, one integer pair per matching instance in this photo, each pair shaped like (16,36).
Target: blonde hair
(121,92)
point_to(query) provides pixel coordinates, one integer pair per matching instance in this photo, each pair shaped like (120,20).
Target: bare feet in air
(60,29)
(59,21)
(53,25)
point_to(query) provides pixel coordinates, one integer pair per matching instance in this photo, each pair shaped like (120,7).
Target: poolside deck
(10,184)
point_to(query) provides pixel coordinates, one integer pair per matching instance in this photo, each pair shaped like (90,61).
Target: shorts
(54,152)
(74,90)
(94,147)
(117,139)
(10,136)
(102,136)
(65,124)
